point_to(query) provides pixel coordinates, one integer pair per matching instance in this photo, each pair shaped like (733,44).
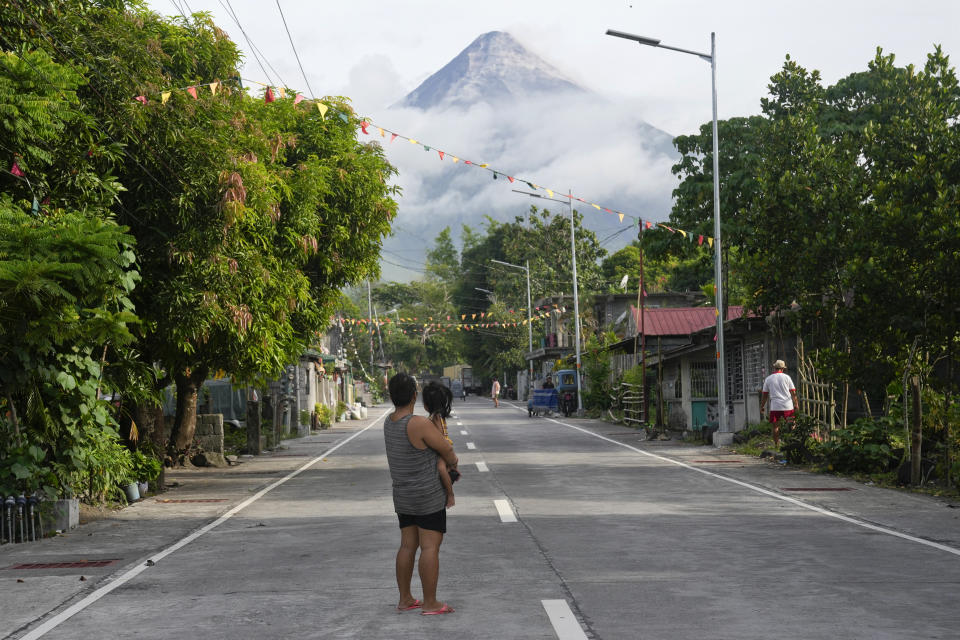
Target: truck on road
(463,373)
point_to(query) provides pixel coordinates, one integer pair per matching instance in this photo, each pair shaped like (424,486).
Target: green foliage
(798,445)
(304,417)
(341,408)
(146,468)
(864,446)
(324,415)
(596,369)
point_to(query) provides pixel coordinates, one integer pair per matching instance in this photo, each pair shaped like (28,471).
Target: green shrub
(864,446)
(324,415)
(798,445)
(341,408)
(146,468)
(304,417)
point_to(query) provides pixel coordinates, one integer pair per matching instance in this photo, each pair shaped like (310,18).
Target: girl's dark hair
(437,399)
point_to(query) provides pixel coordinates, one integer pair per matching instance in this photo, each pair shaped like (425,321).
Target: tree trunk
(185,422)
(149,419)
(916,439)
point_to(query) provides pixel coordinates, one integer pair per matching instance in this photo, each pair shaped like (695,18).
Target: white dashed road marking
(506,513)
(563,620)
(470,445)
(463,433)
(482,467)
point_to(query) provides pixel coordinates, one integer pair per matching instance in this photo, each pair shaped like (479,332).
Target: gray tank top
(417,490)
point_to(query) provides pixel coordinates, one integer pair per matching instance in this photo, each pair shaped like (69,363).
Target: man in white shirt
(782,393)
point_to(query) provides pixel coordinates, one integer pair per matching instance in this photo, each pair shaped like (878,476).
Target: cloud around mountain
(498,103)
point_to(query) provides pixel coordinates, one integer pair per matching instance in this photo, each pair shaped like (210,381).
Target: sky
(377,51)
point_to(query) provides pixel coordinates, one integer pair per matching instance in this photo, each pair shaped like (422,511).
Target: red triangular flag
(298,99)
(467,162)
(700,240)
(363,125)
(393,137)
(441,154)
(268,96)
(192,91)
(17,171)
(510,178)
(141,99)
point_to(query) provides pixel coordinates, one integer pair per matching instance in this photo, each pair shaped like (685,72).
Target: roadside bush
(797,444)
(324,415)
(864,446)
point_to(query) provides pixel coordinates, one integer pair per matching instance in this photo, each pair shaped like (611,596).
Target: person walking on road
(413,446)
(778,387)
(495,392)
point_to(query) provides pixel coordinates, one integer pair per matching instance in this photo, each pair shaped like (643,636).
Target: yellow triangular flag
(549,193)
(621,216)
(455,158)
(382,134)
(485,166)
(282,92)
(322,108)
(411,141)
(595,206)
(213,87)
(683,232)
(710,241)
(164,97)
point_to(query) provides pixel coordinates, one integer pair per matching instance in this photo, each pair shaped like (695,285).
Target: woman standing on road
(414,446)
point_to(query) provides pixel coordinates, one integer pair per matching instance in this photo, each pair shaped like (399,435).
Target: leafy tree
(65,279)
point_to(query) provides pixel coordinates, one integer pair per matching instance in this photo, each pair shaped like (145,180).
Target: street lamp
(576,295)
(724,427)
(526,268)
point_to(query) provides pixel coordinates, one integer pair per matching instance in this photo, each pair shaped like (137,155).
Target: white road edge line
(470,445)
(100,592)
(482,467)
(506,513)
(563,620)
(772,494)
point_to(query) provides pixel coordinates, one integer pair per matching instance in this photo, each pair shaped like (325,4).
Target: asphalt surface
(613,538)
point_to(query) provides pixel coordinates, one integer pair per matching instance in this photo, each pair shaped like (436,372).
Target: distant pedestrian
(495,392)
(778,387)
(414,446)
(548,383)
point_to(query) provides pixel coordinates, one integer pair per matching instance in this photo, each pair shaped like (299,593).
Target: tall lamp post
(526,268)
(576,295)
(724,427)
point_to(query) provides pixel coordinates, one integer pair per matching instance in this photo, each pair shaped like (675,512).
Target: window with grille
(753,367)
(734,370)
(703,379)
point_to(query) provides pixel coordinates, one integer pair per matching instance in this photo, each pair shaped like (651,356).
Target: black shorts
(436,521)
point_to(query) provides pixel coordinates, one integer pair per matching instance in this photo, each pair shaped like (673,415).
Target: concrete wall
(209,433)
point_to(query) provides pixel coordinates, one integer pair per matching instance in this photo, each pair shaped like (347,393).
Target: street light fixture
(576,295)
(526,268)
(724,427)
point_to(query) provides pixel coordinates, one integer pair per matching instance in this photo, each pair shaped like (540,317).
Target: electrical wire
(292,46)
(253,49)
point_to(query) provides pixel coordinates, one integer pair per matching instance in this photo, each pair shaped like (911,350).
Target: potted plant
(341,411)
(146,469)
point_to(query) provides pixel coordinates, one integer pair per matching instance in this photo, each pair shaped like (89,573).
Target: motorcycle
(567,391)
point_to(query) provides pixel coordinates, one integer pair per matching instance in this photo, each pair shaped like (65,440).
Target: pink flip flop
(442,610)
(416,605)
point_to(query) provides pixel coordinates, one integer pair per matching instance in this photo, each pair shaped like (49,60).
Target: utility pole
(370,319)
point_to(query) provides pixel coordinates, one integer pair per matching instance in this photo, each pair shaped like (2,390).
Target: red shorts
(777,416)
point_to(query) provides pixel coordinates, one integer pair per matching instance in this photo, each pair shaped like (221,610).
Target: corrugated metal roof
(680,321)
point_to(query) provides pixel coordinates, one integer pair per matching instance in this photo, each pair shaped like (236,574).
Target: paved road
(612,539)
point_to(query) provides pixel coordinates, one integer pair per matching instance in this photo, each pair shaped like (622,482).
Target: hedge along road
(607,542)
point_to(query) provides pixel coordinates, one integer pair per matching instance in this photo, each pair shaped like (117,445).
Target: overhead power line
(294,47)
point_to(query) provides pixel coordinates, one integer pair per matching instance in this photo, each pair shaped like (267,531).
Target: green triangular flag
(36,206)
